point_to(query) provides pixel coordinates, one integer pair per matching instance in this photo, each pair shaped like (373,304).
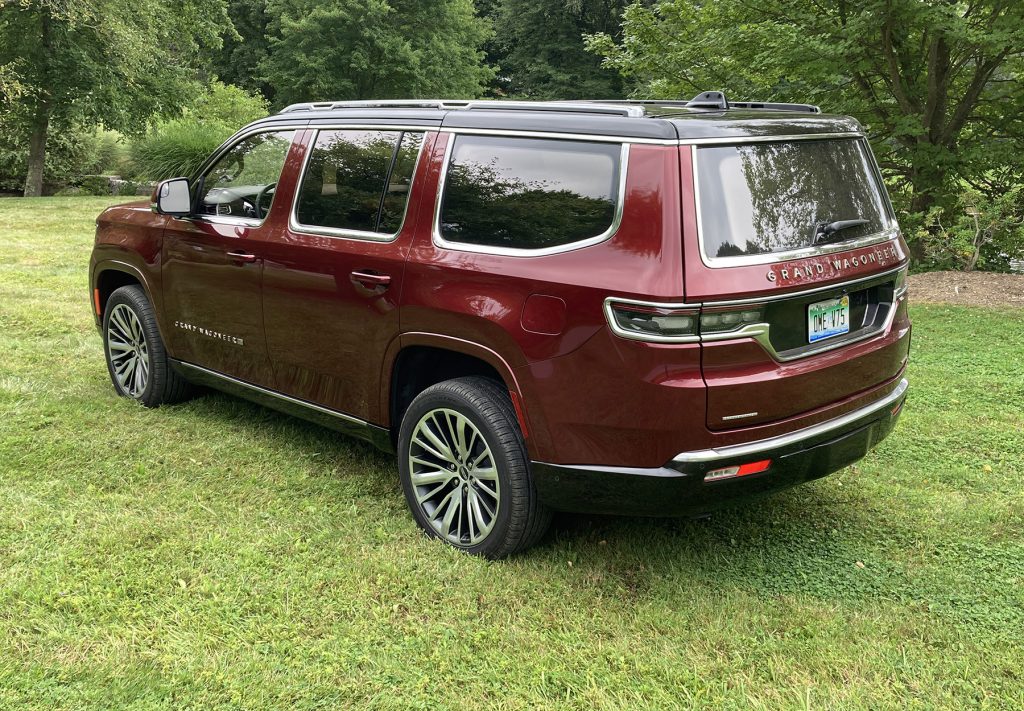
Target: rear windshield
(765,198)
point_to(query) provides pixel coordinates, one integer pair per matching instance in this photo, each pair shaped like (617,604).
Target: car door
(212,265)
(332,281)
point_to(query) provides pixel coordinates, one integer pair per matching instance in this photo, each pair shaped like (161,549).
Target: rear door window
(529,193)
(771,198)
(358,181)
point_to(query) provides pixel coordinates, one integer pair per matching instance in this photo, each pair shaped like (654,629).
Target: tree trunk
(37,150)
(926,180)
(41,120)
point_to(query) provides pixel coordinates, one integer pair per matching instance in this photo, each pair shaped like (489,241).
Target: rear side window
(529,193)
(358,181)
(767,198)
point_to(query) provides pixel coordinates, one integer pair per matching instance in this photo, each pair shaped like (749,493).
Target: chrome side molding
(378,436)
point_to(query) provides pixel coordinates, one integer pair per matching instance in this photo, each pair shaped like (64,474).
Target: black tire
(162,385)
(520,520)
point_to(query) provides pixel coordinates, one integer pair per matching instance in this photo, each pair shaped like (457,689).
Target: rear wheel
(465,471)
(136,358)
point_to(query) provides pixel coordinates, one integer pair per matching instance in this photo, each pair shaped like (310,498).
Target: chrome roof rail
(715,100)
(369,104)
(581,107)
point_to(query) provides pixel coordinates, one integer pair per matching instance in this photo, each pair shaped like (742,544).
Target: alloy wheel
(454,477)
(128,350)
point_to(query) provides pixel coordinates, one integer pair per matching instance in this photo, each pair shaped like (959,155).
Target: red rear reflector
(738,470)
(96,300)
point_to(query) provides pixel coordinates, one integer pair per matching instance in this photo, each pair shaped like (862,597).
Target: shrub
(94,185)
(176,148)
(975,233)
(179,146)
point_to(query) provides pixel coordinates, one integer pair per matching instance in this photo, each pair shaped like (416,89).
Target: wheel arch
(418,360)
(109,276)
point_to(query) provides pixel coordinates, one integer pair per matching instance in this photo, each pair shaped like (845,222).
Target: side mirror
(174,198)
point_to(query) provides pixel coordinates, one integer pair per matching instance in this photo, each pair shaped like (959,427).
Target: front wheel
(465,471)
(136,358)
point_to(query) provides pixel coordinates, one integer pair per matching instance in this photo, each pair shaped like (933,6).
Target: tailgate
(792,249)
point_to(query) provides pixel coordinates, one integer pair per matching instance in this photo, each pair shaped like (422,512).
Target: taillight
(730,319)
(677,323)
(900,288)
(647,322)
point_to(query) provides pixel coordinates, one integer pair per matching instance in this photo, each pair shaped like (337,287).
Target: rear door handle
(369,279)
(242,256)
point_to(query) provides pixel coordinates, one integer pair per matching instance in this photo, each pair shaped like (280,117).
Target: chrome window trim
(558,135)
(337,232)
(774,138)
(224,220)
(607,138)
(220,153)
(441,243)
(890,232)
(619,331)
(737,451)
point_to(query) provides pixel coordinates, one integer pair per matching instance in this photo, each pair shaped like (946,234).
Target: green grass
(219,555)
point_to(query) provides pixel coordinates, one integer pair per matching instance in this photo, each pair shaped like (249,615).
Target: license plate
(826,319)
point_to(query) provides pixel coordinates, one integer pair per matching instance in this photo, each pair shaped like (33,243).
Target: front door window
(242,181)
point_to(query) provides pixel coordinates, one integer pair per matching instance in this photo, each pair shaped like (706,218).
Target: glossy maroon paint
(313,331)
(329,317)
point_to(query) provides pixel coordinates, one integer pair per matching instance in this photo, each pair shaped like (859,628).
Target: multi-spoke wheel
(454,477)
(129,352)
(135,352)
(465,471)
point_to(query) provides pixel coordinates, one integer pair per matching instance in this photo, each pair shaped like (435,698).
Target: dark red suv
(629,307)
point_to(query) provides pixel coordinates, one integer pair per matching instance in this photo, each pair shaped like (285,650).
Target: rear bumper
(679,488)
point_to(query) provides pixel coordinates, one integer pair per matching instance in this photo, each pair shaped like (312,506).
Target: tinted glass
(242,182)
(397,194)
(528,193)
(347,177)
(770,197)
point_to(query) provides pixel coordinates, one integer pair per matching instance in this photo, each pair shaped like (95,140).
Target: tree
(115,62)
(936,82)
(375,49)
(539,47)
(245,47)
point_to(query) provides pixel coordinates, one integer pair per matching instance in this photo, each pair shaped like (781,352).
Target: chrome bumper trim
(739,451)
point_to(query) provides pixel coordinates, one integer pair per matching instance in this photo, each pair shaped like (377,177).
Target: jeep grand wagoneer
(630,307)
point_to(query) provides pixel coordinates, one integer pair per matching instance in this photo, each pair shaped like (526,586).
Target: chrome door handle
(369,279)
(242,256)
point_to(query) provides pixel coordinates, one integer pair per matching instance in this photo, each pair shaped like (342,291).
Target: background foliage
(937,84)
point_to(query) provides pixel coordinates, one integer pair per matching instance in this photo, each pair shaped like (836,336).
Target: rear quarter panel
(479,298)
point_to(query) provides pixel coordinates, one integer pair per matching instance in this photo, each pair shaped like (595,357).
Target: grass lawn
(219,555)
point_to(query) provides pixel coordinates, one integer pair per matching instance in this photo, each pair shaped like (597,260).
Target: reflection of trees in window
(254,164)
(346,175)
(778,192)
(255,161)
(486,203)
(399,183)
